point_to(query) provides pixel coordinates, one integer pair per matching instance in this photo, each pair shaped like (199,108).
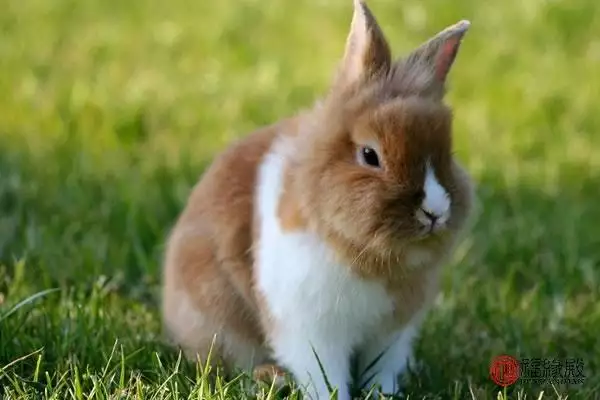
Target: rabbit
(320,237)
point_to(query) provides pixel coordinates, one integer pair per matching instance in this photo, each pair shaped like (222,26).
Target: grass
(111,110)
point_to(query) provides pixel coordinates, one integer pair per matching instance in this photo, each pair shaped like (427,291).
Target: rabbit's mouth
(428,234)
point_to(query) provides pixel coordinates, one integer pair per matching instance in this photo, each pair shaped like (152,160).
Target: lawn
(111,110)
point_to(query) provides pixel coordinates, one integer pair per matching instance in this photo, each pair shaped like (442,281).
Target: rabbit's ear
(367,52)
(427,67)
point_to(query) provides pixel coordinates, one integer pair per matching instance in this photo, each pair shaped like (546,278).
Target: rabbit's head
(374,169)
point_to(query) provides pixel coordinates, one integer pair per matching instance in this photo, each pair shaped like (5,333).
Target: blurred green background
(111,109)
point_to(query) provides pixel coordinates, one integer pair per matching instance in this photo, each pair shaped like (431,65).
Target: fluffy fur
(293,242)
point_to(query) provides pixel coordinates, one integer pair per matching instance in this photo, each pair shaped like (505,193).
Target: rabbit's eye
(418,196)
(369,157)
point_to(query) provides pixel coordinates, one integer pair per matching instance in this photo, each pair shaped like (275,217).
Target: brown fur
(268,373)
(288,212)
(365,214)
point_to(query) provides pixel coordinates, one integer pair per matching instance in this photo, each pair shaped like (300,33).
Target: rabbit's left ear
(367,51)
(427,67)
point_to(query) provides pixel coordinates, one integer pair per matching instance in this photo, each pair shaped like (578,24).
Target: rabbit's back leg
(200,334)
(202,312)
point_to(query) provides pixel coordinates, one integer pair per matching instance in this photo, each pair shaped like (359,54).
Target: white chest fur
(312,300)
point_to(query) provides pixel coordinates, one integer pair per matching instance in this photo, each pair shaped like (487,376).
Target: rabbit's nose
(431,220)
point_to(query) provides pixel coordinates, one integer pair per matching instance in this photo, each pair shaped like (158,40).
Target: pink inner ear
(446,57)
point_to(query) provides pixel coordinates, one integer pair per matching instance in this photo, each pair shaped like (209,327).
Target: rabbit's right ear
(367,51)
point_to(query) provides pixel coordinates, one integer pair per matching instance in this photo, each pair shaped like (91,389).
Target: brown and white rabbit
(325,232)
